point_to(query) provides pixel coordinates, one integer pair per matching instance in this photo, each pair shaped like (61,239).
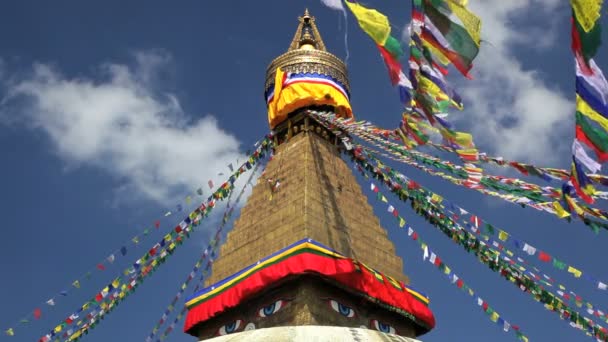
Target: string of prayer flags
(263,145)
(591,109)
(437,261)
(509,189)
(210,249)
(457,213)
(110,296)
(485,253)
(547,174)
(475,224)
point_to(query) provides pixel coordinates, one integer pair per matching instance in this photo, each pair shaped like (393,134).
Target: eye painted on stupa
(272,308)
(342,309)
(381,326)
(231,327)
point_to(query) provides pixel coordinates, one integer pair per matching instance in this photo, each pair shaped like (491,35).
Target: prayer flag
(210,183)
(10,332)
(392,64)
(502,235)
(529,249)
(38,312)
(374,23)
(586,12)
(470,21)
(596,79)
(575,272)
(199,191)
(542,256)
(101,267)
(76,284)
(123,250)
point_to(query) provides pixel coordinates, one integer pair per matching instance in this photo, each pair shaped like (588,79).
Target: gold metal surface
(307,54)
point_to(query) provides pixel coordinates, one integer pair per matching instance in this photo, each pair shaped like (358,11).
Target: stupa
(307,260)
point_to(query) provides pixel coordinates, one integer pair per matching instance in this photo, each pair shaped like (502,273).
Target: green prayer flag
(558,264)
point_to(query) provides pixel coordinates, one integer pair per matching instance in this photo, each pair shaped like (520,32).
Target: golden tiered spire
(308,56)
(307,35)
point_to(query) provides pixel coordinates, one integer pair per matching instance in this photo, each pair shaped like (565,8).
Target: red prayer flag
(460,283)
(542,256)
(157,224)
(392,64)
(437,261)
(98,297)
(37,313)
(101,267)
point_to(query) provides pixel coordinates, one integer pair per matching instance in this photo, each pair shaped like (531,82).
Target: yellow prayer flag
(58,328)
(188,199)
(470,21)
(116,283)
(436,53)
(464,139)
(587,111)
(436,198)
(374,23)
(575,272)
(559,210)
(427,86)
(494,317)
(447,270)
(401,222)
(384,199)
(10,332)
(587,12)
(502,235)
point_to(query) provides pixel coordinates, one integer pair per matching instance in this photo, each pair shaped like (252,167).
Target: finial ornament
(307,35)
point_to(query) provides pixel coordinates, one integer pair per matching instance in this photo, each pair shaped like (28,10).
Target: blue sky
(112,113)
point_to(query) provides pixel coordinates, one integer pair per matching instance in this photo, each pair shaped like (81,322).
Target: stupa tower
(307,259)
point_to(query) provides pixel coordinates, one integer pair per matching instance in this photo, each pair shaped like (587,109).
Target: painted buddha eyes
(271,309)
(383,327)
(229,328)
(342,309)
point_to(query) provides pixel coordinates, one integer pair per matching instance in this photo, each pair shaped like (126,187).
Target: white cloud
(511,111)
(334,4)
(124,126)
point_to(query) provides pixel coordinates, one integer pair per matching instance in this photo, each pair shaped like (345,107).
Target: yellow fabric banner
(587,12)
(374,23)
(302,94)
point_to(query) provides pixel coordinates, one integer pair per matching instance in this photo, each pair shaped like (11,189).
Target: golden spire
(307,35)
